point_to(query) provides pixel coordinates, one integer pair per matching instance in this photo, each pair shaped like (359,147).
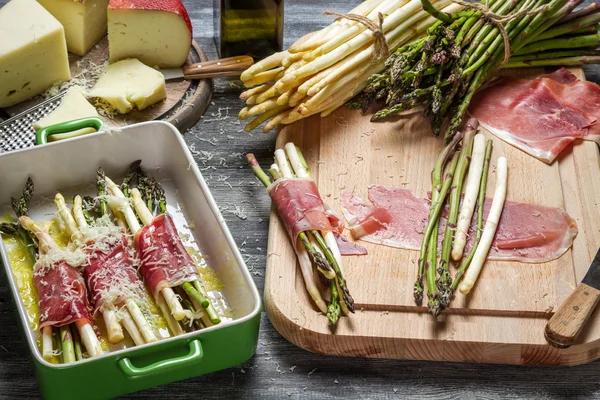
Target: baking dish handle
(41,136)
(194,355)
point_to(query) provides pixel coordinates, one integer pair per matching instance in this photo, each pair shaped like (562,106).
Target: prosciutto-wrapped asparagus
(165,265)
(310,226)
(62,296)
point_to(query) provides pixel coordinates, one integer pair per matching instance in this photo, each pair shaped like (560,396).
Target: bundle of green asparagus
(308,223)
(447,178)
(442,69)
(319,74)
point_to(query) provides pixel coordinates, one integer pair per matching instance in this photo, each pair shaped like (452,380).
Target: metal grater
(17,132)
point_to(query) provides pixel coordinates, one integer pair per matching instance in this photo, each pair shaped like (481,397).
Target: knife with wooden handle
(566,324)
(232,66)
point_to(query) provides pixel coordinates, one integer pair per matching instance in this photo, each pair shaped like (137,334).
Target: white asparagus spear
(141,321)
(386,9)
(320,37)
(66,218)
(132,329)
(255,91)
(309,279)
(120,204)
(274,60)
(471,193)
(140,207)
(113,329)
(491,224)
(362,56)
(89,338)
(47,351)
(348,47)
(264,77)
(174,326)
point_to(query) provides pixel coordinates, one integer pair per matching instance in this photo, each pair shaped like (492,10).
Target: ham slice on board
(164,261)
(526,232)
(110,274)
(62,296)
(301,209)
(542,116)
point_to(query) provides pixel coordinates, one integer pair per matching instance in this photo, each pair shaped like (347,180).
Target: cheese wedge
(73,105)
(156,32)
(127,84)
(84,21)
(33,51)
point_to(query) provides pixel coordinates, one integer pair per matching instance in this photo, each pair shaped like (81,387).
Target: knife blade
(570,318)
(231,66)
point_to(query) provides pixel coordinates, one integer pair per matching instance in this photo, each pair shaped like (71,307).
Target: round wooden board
(185,103)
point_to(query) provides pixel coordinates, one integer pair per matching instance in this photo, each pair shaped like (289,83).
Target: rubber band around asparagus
(86,331)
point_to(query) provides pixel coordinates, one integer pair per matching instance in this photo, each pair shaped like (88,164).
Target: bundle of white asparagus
(321,73)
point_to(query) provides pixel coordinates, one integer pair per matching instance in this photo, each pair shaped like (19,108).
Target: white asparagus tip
(113,329)
(89,339)
(174,305)
(47,351)
(141,322)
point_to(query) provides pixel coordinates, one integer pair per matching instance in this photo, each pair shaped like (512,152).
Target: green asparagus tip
(418,290)
(434,304)
(333,313)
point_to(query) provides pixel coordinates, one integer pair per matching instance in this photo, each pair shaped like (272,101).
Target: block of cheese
(84,21)
(127,84)
(73,105)
(156,32)
(33,51)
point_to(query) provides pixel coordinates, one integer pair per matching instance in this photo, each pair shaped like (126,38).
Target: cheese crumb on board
(33,51)
(72,106)
(84,21)
(158,33)
(127,84)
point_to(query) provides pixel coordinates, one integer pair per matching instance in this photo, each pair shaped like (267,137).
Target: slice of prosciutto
(301,209)
(299,206)
(110,274)
(541,116)
(62,295)
(164,261)
(526,232)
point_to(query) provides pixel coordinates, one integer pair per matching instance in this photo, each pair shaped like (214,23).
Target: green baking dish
(71,163)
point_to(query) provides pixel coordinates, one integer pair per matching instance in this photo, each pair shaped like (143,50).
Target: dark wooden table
(280,369)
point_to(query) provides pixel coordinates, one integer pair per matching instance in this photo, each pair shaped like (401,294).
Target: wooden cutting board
(502,320)
(185,103)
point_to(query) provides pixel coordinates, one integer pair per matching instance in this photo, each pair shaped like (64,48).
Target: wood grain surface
(185,103)
(346,152)
(281,370)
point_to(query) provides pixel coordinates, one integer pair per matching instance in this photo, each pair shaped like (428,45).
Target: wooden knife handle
(566,324)
(232,66)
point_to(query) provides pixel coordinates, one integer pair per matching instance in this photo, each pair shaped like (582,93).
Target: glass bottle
(250,27)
